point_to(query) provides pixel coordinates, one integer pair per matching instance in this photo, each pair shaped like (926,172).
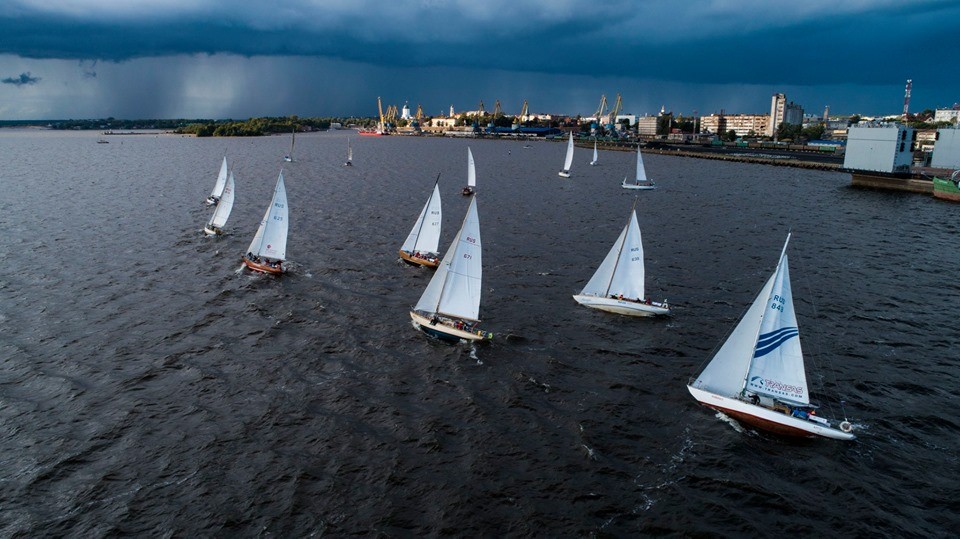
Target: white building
(946,115)
(879,148)
(405,114)
(946,151)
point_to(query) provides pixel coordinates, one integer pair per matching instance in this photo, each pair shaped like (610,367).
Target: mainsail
(641,171)
(271,238)
(568,161)
(221,181)
(222,212)
(425,234)
(455,288)
(471,170)
(622,270)
(595,156)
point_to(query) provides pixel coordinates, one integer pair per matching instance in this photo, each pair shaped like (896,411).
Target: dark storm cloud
(24,78)
(713,41)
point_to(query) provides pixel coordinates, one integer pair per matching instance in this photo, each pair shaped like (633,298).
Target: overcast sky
(238,59)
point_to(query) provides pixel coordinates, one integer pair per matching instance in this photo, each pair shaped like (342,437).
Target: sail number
(471,240)
(277,205)
(467,256)
(634,250)
(778,302)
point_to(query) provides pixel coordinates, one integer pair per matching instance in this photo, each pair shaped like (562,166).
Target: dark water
(147,387)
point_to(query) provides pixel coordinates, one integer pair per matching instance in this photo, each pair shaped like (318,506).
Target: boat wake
(732,422)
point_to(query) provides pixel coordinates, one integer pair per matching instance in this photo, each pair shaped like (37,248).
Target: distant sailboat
(449,308)
(268,249)
(219,186)
(421,247)
(618,284)
(757,377)
(640,181)
(568,161)
(214,227)
(471,175)
(293,140)
(595,156)
(349,162)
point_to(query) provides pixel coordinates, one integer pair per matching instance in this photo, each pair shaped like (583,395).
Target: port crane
(523,112)
(497,111)
(603,106)
(617,107)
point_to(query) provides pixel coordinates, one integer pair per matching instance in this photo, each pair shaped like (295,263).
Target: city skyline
(226,59)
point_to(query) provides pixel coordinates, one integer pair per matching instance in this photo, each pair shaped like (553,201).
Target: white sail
(732,366)
(271,238)
(568,160)
(641,171)
(221,180)
(222,212)
(461,289)
(622,270)
(471,170)
(425,234)
(595,156)
(349,150)
(777,366)
(431,295)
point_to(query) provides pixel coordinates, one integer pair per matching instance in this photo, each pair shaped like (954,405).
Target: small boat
(214,227)
(349,162)
(421,248)
(293,140)
(757,377)
(219,186)
(471,175)
(568,161)
(947,189)
(595,155)
(618,284)
(449,308)
(103,141)
(268,249)
(640,181)
(370,132)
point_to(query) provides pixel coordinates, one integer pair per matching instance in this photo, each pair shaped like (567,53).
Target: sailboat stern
(264,266)
(564,174)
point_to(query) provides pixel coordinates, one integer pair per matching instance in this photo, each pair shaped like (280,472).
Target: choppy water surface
(149,387)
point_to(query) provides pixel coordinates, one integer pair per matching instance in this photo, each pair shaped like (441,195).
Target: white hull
(622,306)
(423,323)
(766,418)
(210,231)
(626,185)
(564,174)
(593,163)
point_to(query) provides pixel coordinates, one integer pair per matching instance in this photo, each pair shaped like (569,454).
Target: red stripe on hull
(770,426)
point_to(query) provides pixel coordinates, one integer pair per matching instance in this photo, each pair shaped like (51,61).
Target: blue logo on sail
(768,342)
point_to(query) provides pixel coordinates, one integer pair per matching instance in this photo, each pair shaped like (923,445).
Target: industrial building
(946,151)
(879,148)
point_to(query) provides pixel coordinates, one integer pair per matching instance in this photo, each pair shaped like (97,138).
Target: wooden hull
(417,261)
(444,332)
(769,420)
(623,306)
(564,174)
(262,268)
(946,190)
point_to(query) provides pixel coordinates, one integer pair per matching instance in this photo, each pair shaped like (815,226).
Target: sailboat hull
(767,419)
(212,231)
(626,185)
(417,261)
(442,331)
(262,268)
(622,306)
(564,174)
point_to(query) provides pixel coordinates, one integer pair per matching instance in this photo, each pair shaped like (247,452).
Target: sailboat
(349,162)
(268,249)
(219,186)
(618,284)
(471,175)
(293,140)
(214,227)
(640,181)
(595,156)
(421,248)
(757,377)
(568,161)
(449,308)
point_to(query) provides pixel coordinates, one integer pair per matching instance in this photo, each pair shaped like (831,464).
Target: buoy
(845,426)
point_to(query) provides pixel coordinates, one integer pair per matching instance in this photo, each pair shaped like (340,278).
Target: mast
(622,243)
(756,335)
